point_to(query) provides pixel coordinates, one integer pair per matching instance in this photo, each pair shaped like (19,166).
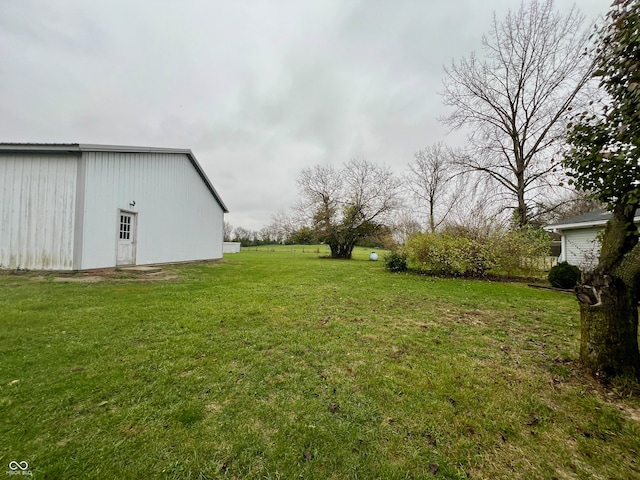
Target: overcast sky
(257,89)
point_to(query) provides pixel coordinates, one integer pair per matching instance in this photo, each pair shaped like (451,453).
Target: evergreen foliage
(564,275)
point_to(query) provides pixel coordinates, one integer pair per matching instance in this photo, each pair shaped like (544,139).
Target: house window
(125,227)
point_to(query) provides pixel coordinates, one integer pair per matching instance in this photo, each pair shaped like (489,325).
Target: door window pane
(125,227)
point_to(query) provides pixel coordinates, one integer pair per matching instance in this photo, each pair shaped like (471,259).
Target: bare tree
(432,182)
(244,236)
(346,205)
(515,101)
(404,225)
(228,231)
(269,235)
(568,203)
(321,189)
(479,213)
(283,225)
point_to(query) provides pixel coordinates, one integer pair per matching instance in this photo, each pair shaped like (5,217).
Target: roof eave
(574,226)
(206,180)
(40,147)
(91,147)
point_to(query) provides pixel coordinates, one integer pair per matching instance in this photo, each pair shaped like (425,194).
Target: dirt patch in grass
(631,413)
(112,276)
(82,279)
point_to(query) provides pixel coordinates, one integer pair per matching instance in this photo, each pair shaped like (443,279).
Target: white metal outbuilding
(231,247)
(81,207)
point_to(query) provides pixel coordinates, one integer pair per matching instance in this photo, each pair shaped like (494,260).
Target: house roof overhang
(597,219)
(572,226)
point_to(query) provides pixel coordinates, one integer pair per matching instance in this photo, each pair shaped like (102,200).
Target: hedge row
(461,252)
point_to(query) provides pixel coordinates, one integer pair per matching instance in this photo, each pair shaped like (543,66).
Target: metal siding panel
(37,215)
(79,213)
(67,235)
(183,226)
(98,243)
(16,223)
(178,218)
(5,175)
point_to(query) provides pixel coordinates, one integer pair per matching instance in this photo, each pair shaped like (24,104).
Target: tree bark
(608,299)
(609,327)
(341,250)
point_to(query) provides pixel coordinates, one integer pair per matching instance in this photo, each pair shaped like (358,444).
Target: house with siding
(580,243)
(74,207)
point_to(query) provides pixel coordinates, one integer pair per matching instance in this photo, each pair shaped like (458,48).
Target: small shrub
(564,275)
(396,261)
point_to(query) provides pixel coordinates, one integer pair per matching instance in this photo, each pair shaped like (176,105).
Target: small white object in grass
(373,256)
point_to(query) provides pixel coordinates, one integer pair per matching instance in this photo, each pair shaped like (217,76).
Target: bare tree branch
(433,182)
(515,101)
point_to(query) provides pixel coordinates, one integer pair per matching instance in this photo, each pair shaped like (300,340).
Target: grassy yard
(278,364)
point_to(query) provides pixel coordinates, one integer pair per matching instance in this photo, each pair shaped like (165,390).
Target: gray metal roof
(88,147)
(596,218)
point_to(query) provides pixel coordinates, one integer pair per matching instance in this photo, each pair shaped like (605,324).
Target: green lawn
(275,363)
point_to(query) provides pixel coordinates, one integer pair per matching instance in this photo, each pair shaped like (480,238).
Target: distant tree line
(274,235)
(249,238)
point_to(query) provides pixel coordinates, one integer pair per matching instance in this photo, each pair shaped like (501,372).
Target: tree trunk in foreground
(609,328)
(608,300)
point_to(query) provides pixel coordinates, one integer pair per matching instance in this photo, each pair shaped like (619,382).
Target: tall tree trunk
(608,300)
(432,222)
(609,327)
(522,214)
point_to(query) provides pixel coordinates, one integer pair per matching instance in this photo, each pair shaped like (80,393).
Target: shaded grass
(278,364)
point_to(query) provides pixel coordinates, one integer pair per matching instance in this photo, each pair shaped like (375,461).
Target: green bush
(472,253)
(447,254)
(396,261)
(564,275)
(519,250)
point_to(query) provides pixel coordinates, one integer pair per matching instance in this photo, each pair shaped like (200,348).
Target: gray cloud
(257,89)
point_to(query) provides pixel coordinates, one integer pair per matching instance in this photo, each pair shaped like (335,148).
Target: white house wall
(37,210)
(178,218)
(581,247)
